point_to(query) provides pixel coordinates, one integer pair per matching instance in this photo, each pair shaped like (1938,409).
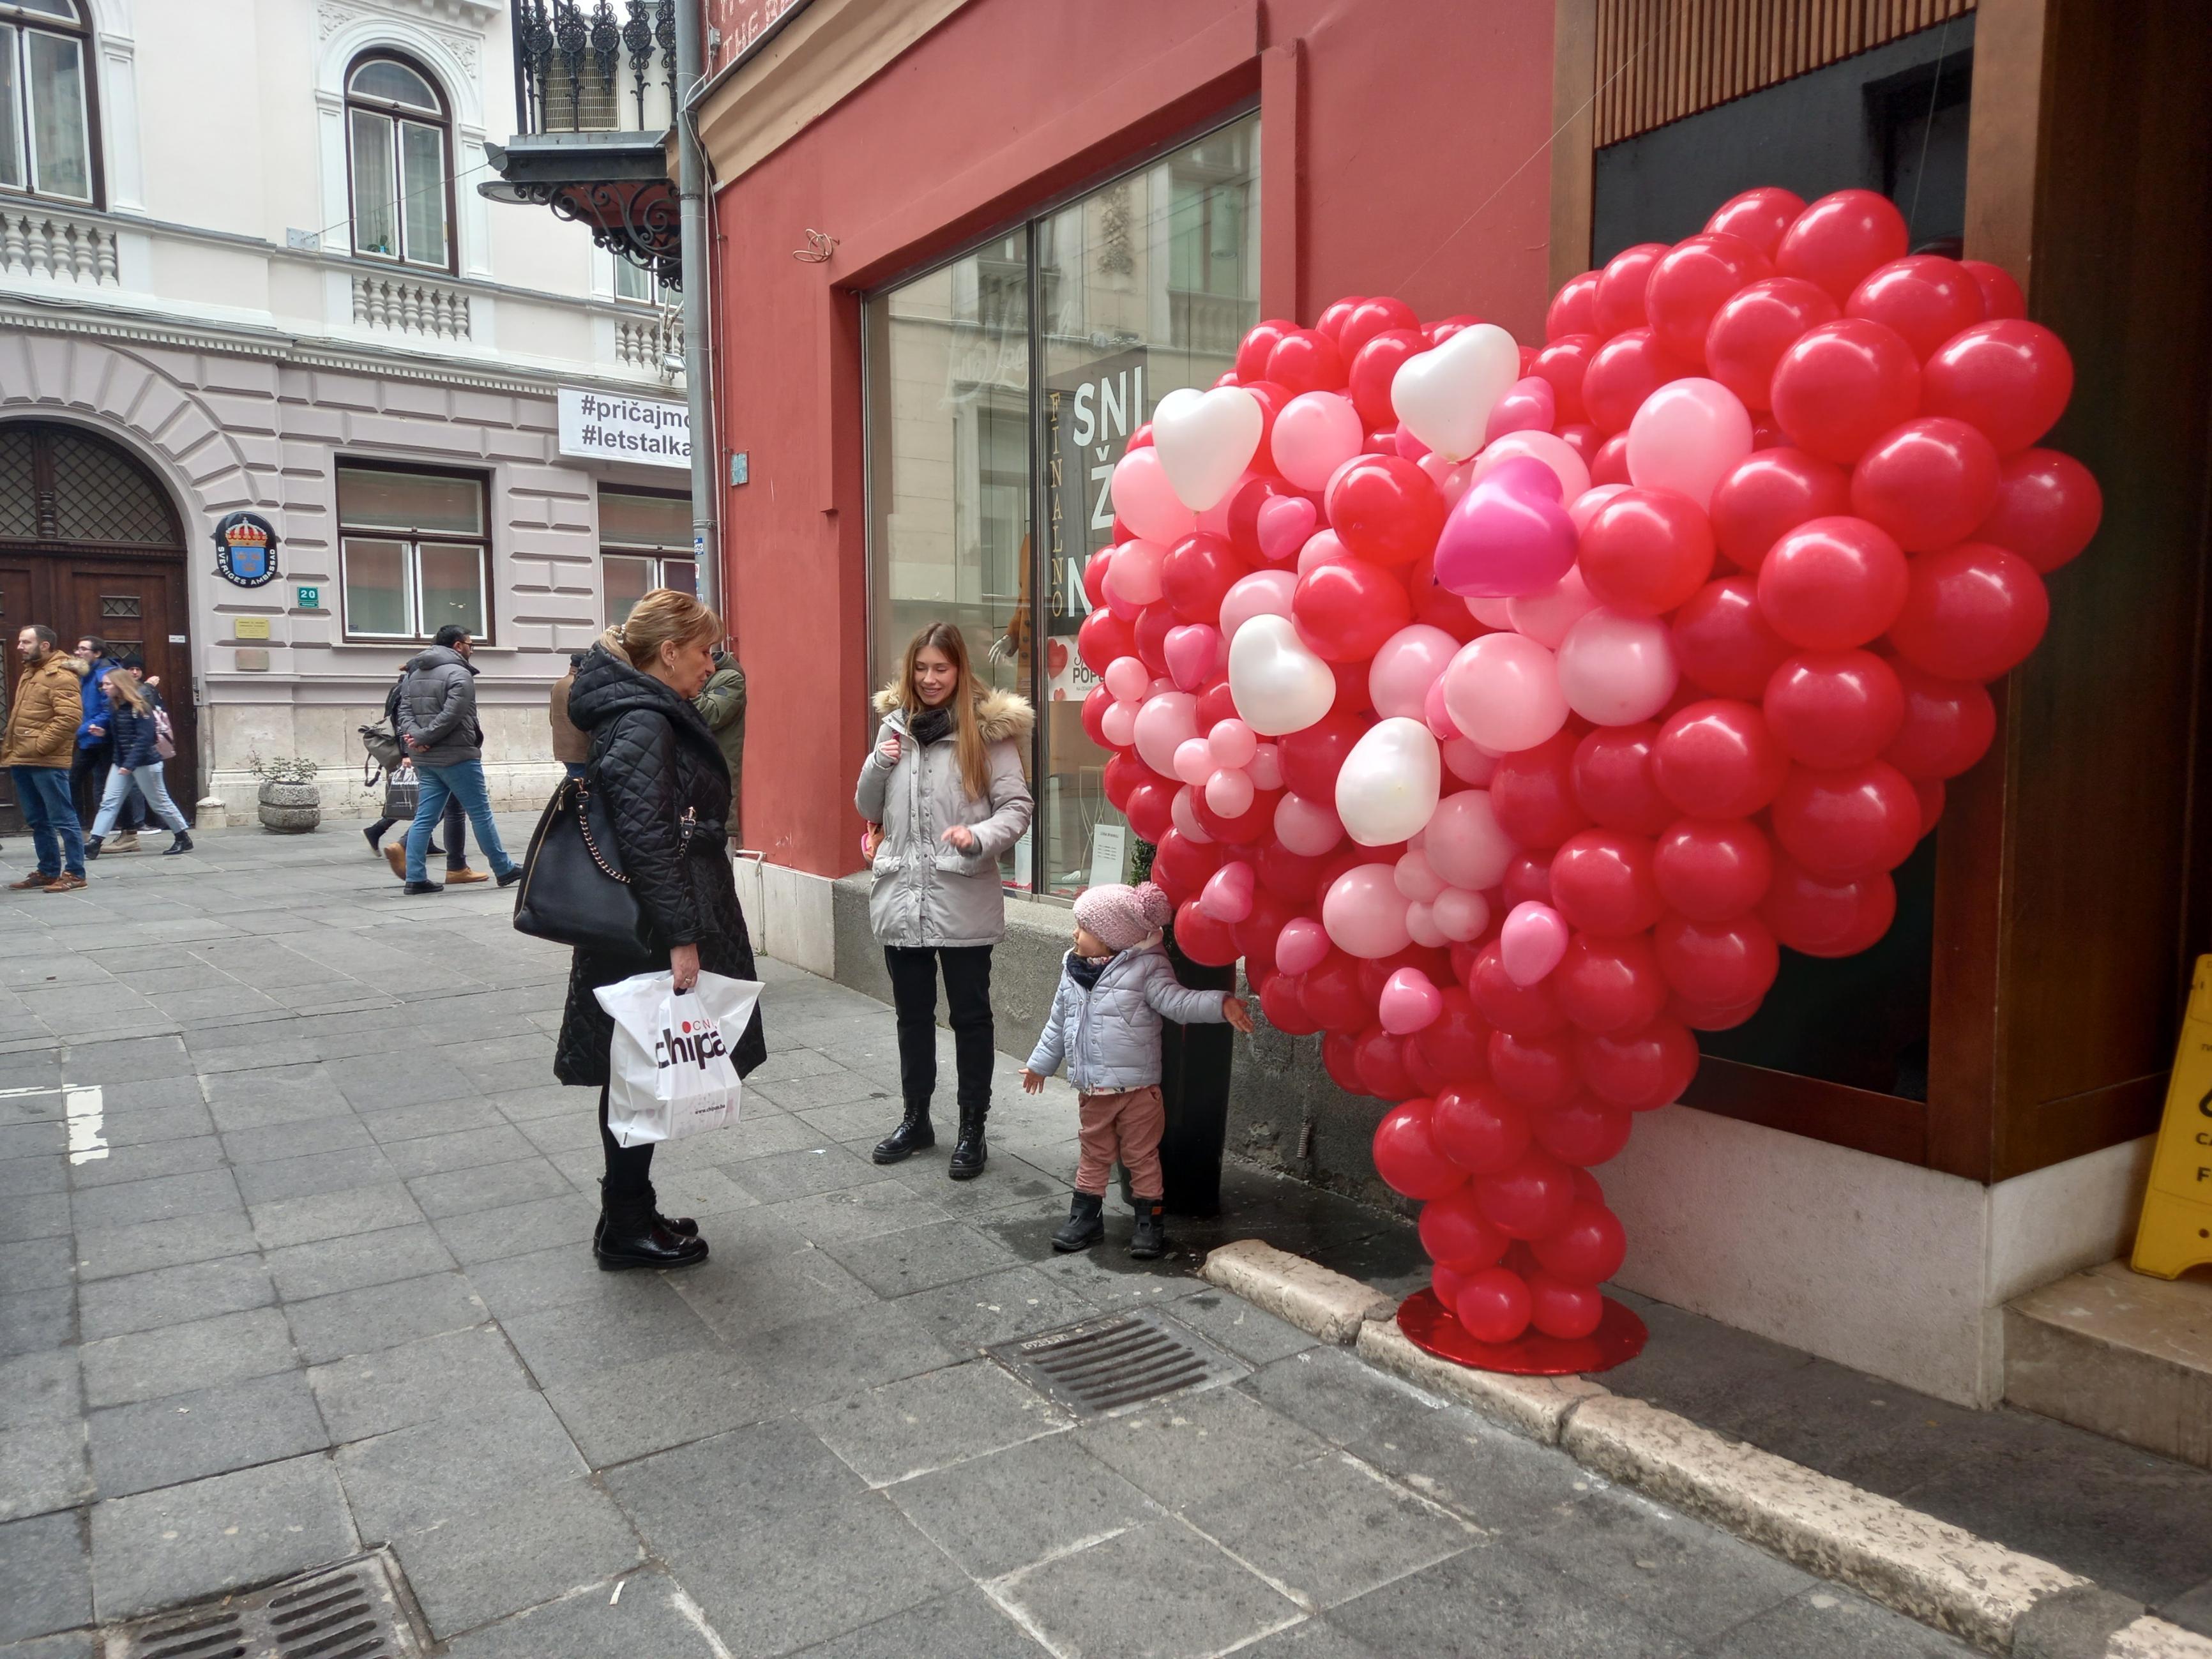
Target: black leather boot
(1150,1241)
(913,1135)
(970,1154)
(631,1235)
(1086,1224)
(680,1224)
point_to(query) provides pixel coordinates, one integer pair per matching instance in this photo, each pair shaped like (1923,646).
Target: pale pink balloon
(1554,451)
(1232,742)
(1144,500)
(1616,670)
(1322,547)
(1365,913)
(1421,923)
(1316,433)
(1119,722)
(1134,578)
(1584,507)
(1229,792)
(1127,678)
(1532,941)
(1167,721)
(1309,827)
(1465,843)
(1410,1002)
(1194,761)
(1455,482)
(1193,654)
(1529,405)
(1687,436)
(1262,594)
(1439,468)
(1434,712)
(1460,915)
(1490,613)
(1545,618)
(1227,895)
(1469,761)
(1184,810)
(1159,684)
(1302,944)
(1265,767)
(1405,666)
(1214,522)
(1416,878)
(1283,524)
(1503,690)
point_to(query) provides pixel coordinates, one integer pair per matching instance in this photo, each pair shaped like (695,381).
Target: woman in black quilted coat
(663,773)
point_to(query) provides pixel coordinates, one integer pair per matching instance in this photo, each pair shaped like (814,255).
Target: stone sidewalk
(316,1276)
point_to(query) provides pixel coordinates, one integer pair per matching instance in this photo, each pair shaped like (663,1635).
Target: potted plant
(291,804)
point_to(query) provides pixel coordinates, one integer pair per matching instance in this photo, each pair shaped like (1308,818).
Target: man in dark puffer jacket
(437,722)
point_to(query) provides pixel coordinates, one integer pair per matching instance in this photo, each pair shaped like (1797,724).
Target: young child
(1115,987)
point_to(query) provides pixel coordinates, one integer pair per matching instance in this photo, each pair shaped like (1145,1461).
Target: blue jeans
(465,782)
(149,781)
(43,792)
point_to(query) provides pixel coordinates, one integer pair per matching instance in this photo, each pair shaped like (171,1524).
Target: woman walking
(136,759)
(945,794)
(662,774)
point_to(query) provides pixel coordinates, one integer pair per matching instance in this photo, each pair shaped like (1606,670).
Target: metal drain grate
(357,1609)
(1109,1364)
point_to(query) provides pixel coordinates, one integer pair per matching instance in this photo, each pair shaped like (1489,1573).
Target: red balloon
(1770,493)
(1344,611)
(1527,1011)
(1384,509)
(1536,1070)
(1719,759)
(1103,637)
(1971,612)
(1256,821)
(1574,307)
(1620,287)
(1311,759)
(1094,577)
(1841,239)
(1202,939)
(1723,643)
(1759,216)
(1557,1308)
(1832,584)
(1717,964)
(1258,345)
(1562,364)
(1835,708)
(1447,1282)
(1947,726)
(1121,777)
(1923,296)
(1529,1198)
(1625,371)
(1306,360)
(1281,1000)
(1380,1064)
(1096,702)
(1153,627)
(1583,438)
(1851,822)
(1699,1018)
(1333,995)
(1215,705)
(1494,1305)
(1610,464)
(1843,384)
(1533,793)
(1528,876)
(1828,919)
(1613,780)
(2047,507)
(1244,505)
(1712,870)
(1291,876)
(1601,883)
(1197,574)
(1371,317)
(1690,282)
(1443,328)
(1751,328)
(1642,1067)
(1375,365)
(1453,1232)
(1181,867)
(1336,313)
(1609,984)
(1581,1131)
(1930,793)
(1587,1248)
(1336,1060)
(2010,378)
(1407,1156)
(1456,1043)
(1928,483)
(1646,550)
(1150,809)
(1256,935)
(2001,295)
(1480,1128)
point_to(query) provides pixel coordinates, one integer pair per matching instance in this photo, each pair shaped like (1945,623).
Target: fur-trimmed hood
(1000,716)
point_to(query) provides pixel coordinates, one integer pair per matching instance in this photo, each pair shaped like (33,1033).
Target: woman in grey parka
(945,792)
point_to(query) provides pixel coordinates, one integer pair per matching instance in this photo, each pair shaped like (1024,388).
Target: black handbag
(572,890)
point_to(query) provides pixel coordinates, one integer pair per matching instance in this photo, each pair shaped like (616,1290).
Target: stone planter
(291,809)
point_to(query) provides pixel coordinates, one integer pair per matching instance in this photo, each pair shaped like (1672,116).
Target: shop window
(1003,387)
(398,138)
(413,553)
(46,100)
(645,543)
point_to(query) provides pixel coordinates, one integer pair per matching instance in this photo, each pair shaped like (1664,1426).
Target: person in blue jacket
(95,746)
(137,738)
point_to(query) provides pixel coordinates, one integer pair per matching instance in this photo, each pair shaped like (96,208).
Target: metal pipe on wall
(698,382)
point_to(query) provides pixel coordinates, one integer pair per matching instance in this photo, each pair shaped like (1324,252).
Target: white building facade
(244,267)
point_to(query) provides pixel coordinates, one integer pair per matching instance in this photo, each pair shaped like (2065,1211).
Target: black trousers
(89,771)
(629,1169)
(455,821)
(966,998)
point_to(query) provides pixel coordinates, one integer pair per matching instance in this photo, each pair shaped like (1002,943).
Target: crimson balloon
(1202,939)
(1180,867)
(1719,759)
(1589,1247)
(2047,507)
(1456,1043)
(1582,1131)
(1609,984)
(1838,825)
(1455,1232)
(1841,239)
(1311,759)
(1843,384)
(1923,296)
(1563,364)
(1281,1000)
(1821,918)
(1494,1305)
(1759,216)
(1380,1063)
(1601,883)
(1532,792)
(1723,643)
(1646,550)
(1623,372)
(1751,328)
(1530,1010)
(1103,637)
(1641,1068)
(1375,365)
(2001,295)
(1835,708)
(1971,612)
(1770,493)
(2011,377)
(1371,316)
(1197,574)
(1480,1128)
(1258,345)
(1306,360)
(1384,509)
(1928,483)
(1717,964)
(1947,724)
(1332,996)
(1613,780)
(1536,1070)
(1712,870)
(1832,584)
(1566,1311)
(1621,284)
(1573,309)
(1345,611)
(1408,1157)
(1529,1199)
(1689,284)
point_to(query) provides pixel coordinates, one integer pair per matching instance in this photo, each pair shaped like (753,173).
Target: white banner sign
(603,427)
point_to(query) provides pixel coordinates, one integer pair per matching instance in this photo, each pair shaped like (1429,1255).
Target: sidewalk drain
(357,1609)
(1109,1364)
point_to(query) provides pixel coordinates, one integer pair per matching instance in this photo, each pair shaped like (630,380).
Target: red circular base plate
(1431,1327)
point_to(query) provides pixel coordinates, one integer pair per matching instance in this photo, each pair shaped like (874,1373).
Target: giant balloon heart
(1508,783)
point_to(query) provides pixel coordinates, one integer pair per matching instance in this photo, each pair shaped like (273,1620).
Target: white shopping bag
(669,1073)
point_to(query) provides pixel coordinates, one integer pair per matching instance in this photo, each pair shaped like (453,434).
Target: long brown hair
(122,683)
(975,764)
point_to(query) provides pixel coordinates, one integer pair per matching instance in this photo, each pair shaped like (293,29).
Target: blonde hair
(664,616)
(122,683)
(975,762)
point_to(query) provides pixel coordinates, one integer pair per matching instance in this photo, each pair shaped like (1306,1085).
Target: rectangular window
(61,139)
(413,554)
(634,282)
(422,192)
(376,228)
(11,112)
(645,543)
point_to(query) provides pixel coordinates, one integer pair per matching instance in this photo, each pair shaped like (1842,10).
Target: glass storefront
(1002,388)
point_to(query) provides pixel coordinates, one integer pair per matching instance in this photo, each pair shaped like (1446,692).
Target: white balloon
(1390,782)
(1555,451)
(1545,618)
(1503,690)
(1444,396)
(1616,668)
(1278,685)
(1205,439)
(1262,594)
(1164,724)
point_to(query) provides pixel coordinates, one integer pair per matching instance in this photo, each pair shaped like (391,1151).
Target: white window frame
(19,24)
(398,118)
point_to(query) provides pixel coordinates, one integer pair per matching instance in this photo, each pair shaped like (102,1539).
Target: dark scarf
(931,725)
(1085,971)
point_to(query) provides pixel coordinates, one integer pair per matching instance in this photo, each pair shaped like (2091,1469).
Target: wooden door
(139,609)
(18,605)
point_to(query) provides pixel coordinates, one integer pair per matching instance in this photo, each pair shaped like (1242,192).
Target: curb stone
(1999,1599)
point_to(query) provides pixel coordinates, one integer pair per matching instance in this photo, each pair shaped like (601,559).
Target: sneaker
(125,843)
(182,843)
(464,876)
(397,858)
(424,887)
(34,879)
(64,882)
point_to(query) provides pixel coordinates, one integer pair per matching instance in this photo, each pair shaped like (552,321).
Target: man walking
(37,749)
(437,723)
(721,704)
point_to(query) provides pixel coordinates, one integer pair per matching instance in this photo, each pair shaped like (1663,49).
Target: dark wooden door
(18,604)
(139,609)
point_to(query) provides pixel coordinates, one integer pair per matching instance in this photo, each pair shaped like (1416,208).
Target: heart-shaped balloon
(1303,945)
(1278,685)
(1282,524)
(1444,396)
(1508,536)
(1529,405)
(1204,439)
(1410,1002)
(1227,895)
(1194,652)
(1390,782)
(1532,942)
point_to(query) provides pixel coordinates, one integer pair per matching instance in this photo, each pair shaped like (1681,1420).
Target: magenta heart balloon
(1283,525)
(1508,536)
(1194,652)
(1302,944)
(1532,942)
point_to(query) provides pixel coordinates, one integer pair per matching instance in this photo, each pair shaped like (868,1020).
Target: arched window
(46,93)
(399,137)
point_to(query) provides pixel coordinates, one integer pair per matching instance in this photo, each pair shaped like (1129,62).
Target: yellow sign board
(2176,1232)
(251,628)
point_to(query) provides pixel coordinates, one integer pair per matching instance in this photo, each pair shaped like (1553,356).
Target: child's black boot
(1150,1241)
(1086,1224)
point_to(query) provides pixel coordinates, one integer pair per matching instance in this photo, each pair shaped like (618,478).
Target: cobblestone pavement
(294,1260)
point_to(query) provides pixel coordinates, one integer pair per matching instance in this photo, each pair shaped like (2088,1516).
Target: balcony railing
(592,66)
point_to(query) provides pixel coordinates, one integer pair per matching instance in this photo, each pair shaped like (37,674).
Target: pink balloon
(1193,654)
(1194,761)
(1167,721)
(1442,472)
(1227,895)
(1119,722)
(1365,913)
(1265,767)
(1460,915)
(1468,763)
(1417,878)
(1307,828)
(1687,436)
(1465,843)
(1554,451)
(1127,678)
(1302,944)
(1405,666)
(1316,433)
(1434,712)
(1410,1002)
(1584,507)
(1508,536)
(1262,594)
(1144,500)
(1283,525)
(1421,923)
(1616,670)
(1232,744)
(1134,578)
(1230,793)
(1545,618)
(1529,405)
(1532,941)
(1214,522)
(1185,813)
(1492,613)
(1322,547)
(1503,690)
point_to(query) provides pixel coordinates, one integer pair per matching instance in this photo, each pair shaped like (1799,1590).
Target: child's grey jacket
(1109,1034)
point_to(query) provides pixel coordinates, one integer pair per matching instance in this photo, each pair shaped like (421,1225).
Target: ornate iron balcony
(585,67)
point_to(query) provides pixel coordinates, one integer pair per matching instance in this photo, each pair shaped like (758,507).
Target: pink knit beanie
(1121,918)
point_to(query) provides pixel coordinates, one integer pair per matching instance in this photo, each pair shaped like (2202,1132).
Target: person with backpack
(96,744)
(436,710)
(138,740)
(402,797)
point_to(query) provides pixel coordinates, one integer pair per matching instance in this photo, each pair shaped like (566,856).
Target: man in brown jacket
(39,745)
(570,746)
